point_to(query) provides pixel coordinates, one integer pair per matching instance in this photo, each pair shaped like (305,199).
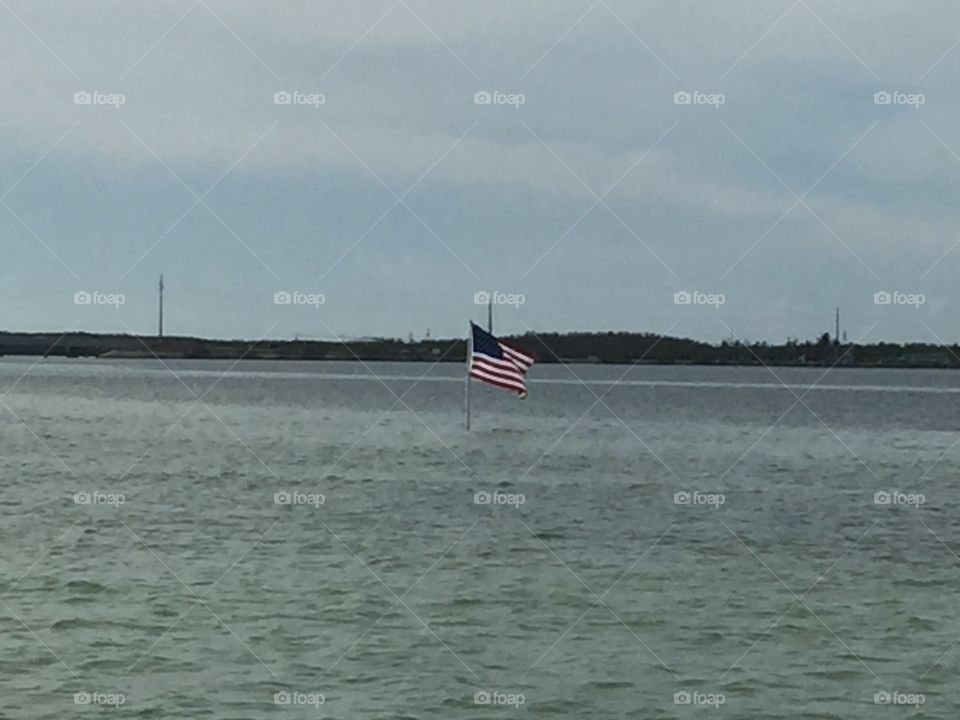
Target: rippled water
(399,596)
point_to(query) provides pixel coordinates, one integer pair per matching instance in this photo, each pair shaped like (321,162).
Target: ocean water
(219,540)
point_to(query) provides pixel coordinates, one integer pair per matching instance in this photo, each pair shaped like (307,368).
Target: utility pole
(160,328)
(836,335)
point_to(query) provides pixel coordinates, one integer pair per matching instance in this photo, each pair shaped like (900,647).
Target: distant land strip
(615,348)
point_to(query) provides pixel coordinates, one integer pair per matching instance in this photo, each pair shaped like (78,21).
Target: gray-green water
(400,596)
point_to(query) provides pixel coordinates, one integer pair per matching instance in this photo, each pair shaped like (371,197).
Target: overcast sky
(141,137)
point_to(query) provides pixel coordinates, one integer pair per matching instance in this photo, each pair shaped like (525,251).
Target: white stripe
(516,384)
(518,356)
(509,374)
(507,365)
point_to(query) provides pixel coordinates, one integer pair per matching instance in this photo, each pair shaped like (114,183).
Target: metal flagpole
(466,390)
(490,316)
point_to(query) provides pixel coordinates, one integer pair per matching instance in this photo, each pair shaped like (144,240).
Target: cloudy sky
(736,150)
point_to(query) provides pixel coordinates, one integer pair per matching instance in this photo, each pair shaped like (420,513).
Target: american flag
(498,364)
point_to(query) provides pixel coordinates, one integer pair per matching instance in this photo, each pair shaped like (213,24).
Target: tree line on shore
(549,347)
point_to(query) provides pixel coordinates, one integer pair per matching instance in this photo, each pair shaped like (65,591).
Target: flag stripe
(498,381)
(508,374)
(497,364)
(515,355)
(505,365)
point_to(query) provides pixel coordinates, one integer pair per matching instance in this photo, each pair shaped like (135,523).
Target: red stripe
(497,363)
(519,388)
(505,372)
(510,373)
(517,355)
(480,375)
(517,364)
(507,363)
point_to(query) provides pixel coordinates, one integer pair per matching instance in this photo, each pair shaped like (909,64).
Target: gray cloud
(503,193)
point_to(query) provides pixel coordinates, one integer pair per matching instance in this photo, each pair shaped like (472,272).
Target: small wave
(70,624)
(85,586)
(838,674)
(546,535)
(608,684)
(916,582)
(919,623)
(356,680)
(740,688)
(467,602)
(165,612)
(150,712)
(106,663)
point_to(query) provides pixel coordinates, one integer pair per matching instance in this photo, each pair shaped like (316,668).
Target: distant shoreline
(609,348)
